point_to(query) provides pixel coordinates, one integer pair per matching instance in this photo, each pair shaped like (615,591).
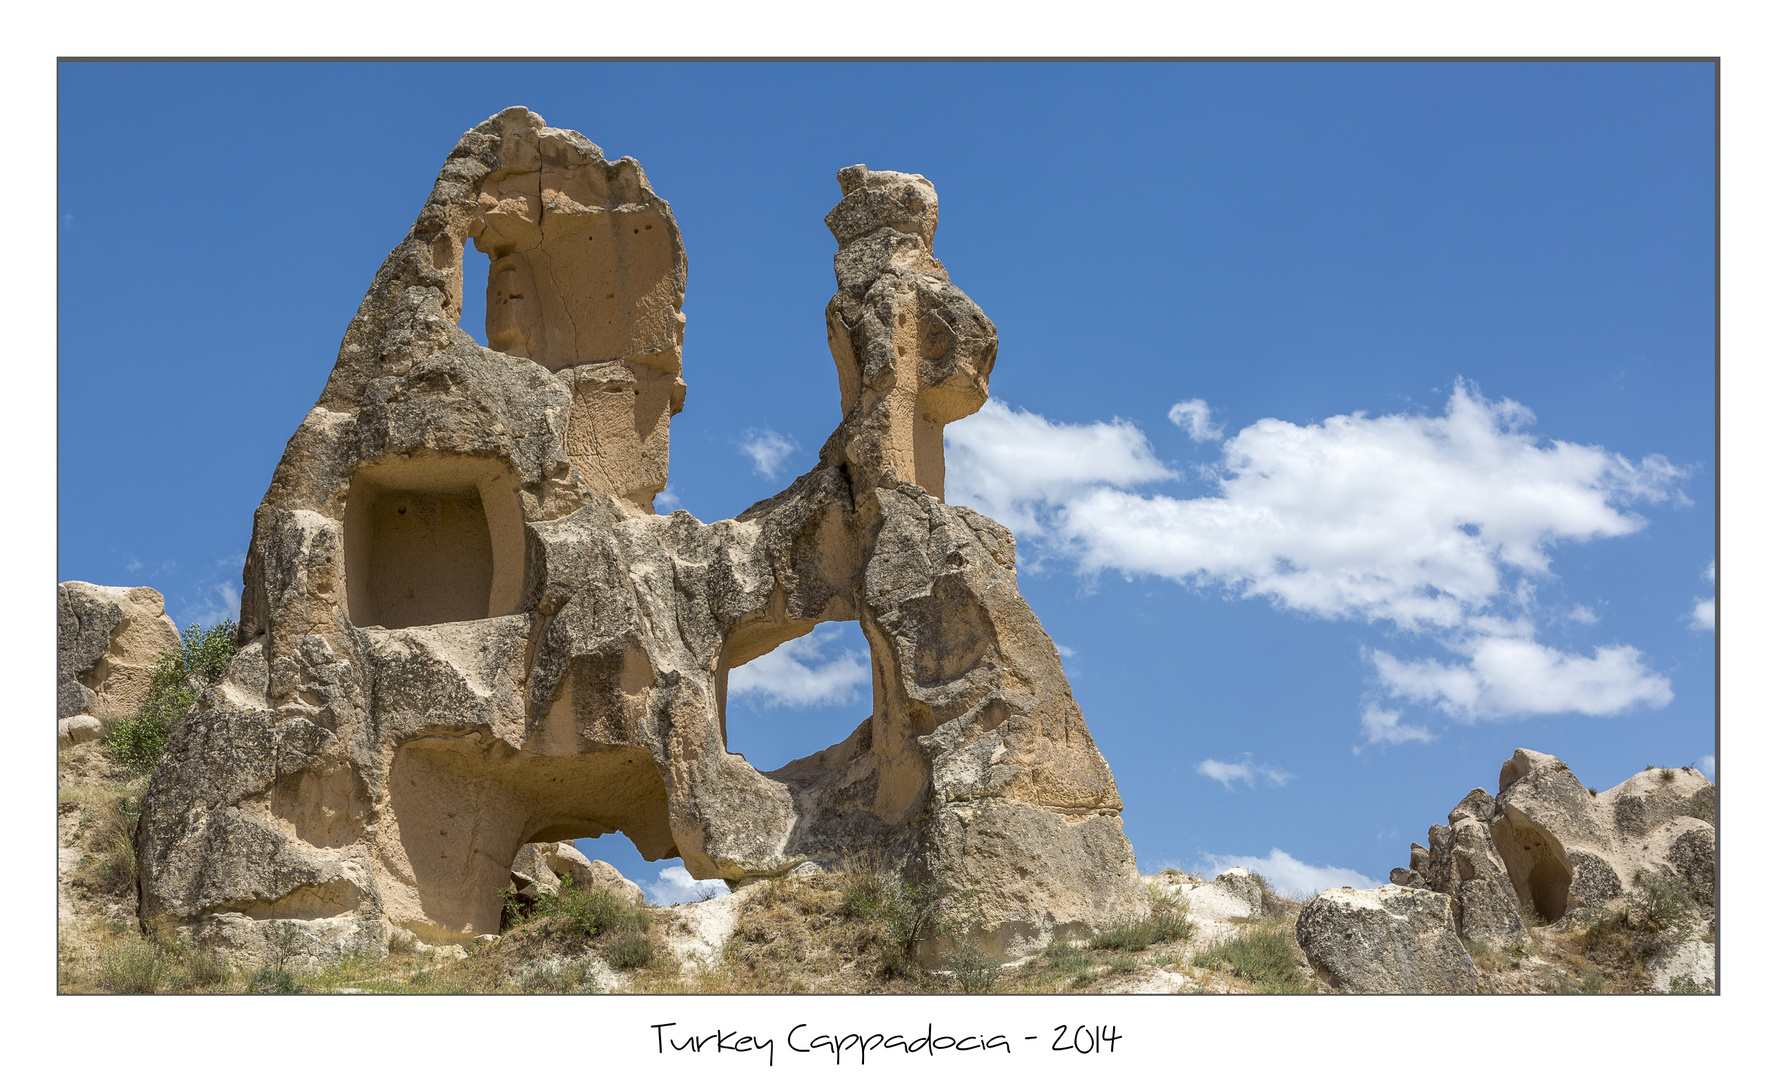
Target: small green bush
(586,914)
(1684,984)
(1667,776)
(180,675)
(1661,903)
(911,912)
(271,980)
(136,966)
(975,972)
(1263,956)
(629,949)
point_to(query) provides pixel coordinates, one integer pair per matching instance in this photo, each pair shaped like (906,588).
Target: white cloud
(799,674)
(768,450)
(675,885)
(1384,726)
(1409,519)
(1288,875)
(1707,764)
(667,501)
(1583,615)
(1703,613)
(1009,464)
(1433,523)
(1515,676)
(1192,417)
(1243,770)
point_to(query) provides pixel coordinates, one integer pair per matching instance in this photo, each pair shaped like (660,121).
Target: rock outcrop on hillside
(1387,940)
(1545,844)
(108,641)
(465,630)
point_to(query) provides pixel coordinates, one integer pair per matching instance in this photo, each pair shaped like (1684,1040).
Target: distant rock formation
(108,640)
(1546,845)
(465,630)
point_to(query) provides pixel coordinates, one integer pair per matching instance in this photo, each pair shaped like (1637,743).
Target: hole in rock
(666,882)
(800,697)
(462,811)
(432,540)
(475,272)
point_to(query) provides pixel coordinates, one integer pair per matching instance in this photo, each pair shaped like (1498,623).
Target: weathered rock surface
(548,865)
(108,640)
(1546,845)
(1387,940)
(464,630)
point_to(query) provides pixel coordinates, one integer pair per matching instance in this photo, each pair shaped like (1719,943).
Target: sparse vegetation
(1667,776)
(180,676)
(1264,955)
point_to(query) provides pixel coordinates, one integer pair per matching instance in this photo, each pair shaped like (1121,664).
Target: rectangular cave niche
(428,544)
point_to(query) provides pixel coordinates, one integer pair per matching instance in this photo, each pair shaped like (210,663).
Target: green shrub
(1661,903)
(135,966)
(910,912)
(271,980)
(1684,984)
(581,913)
(975,972)
(179,676)
(1667,776)
(1263,956)
(629,949)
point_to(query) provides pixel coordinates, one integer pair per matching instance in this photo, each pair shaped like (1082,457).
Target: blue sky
(1356,421)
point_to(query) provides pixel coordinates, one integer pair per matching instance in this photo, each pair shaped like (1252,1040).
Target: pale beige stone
(108,641)
(468,635)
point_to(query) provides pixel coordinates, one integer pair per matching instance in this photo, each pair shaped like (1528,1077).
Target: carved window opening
(794,689)
(432,540)
(473,317)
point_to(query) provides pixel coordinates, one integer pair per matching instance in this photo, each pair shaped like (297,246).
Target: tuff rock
(465,630)
(1545,845)
(108,640)
(1387,940)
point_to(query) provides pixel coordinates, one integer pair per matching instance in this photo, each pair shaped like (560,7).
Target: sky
(1356,422)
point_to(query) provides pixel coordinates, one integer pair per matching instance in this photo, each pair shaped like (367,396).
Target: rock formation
(1388,940)
(108,640)
(465,630)
(1546,845)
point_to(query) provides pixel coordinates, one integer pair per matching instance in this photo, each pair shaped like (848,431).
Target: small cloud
(1288,875)
(1583,615)
(133,565)
(667,501)
(1703,613)
(67,220)
(1063,650)
(1192,417)
(768,450)
(1226,772)
(1384,726)
(1707,764)
(675,885)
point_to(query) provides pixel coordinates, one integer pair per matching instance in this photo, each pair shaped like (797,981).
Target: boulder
(465,630)
(108,641)
(73,730)
(547,865)
(1387,940)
